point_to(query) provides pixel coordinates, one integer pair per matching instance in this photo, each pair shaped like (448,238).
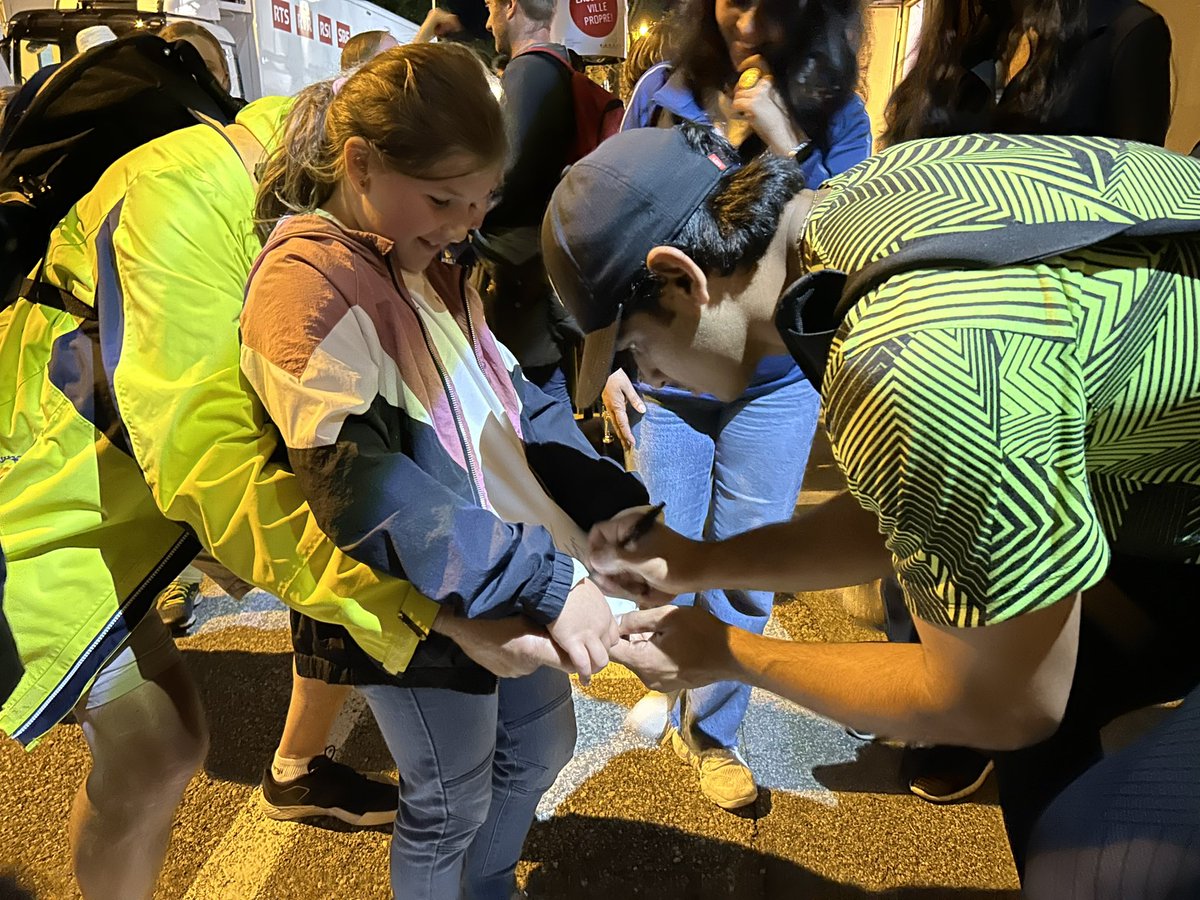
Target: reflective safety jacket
(128,434)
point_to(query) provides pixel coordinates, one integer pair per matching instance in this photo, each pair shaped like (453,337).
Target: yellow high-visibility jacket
(126,437)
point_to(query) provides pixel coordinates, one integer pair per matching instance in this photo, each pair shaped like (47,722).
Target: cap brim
(599,348)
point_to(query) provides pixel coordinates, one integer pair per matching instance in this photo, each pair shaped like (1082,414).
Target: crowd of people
(259,346)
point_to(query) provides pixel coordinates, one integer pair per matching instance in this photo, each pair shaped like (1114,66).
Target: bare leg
(146,745)
(311,711)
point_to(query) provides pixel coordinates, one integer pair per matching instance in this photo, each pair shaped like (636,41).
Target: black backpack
(94,110)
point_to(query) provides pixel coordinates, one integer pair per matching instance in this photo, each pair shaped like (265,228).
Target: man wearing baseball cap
(1005,332)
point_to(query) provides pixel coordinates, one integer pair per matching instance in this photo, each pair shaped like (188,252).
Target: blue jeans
(472,770)
(721,469)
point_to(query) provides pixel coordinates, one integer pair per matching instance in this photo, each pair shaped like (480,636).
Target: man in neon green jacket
(128,440)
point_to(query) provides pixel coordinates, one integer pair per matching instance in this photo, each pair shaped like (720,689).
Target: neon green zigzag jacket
(126,437)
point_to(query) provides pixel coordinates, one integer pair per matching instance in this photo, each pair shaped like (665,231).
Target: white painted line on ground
(815,498)
(247,854)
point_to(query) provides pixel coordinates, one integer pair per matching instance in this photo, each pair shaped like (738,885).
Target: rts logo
(281,15)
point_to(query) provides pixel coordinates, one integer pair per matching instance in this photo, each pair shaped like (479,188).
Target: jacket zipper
(475,347)
(447,386)
(133,595)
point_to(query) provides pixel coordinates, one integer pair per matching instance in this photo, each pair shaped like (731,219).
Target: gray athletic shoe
(177,606)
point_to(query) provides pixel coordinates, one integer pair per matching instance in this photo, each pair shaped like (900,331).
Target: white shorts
(144,655)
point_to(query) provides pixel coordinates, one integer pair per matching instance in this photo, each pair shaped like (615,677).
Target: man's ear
(673,265)
(510,8)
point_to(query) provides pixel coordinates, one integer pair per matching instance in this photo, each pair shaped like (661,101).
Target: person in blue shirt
(771,78)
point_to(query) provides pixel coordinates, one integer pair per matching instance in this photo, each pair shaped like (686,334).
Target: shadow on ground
(877,768)
(612,858)
(245,696)
(11,889)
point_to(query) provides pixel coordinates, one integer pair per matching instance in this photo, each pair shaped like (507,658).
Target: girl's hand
(761,105)
(618,395)
(675,648)
(585,630)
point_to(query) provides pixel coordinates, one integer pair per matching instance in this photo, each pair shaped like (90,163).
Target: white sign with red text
(301,41)
(592,27)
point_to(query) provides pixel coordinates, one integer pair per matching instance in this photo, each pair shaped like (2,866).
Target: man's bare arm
(835,545)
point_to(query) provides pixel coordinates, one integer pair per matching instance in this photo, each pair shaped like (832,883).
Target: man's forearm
(875,687)
(835,545)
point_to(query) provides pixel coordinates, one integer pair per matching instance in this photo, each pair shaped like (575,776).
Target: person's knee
(150,741)
(452,819)
(1145,868)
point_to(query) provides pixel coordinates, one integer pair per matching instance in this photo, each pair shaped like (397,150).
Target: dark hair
(959,34)
(734,227)
(361,47)
(811,47)
(538,11)
(416,105)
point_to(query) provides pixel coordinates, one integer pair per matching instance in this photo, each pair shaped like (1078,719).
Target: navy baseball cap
(631,194)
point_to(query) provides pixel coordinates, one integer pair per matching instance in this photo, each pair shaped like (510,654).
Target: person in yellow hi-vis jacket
(128,441)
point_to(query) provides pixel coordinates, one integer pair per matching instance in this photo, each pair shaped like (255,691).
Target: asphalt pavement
(625,818)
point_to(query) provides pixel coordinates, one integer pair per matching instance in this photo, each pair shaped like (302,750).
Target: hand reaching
(651,570)
(675,648)
(618,395)
(438,23)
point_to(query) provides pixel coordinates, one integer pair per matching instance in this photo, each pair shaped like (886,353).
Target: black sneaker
(331,789)
(946,774)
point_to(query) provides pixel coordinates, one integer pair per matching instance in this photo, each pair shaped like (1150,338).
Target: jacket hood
(322,229)
(264,119)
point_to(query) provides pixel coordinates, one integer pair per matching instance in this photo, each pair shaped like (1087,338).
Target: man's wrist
(705,565)
(739,659)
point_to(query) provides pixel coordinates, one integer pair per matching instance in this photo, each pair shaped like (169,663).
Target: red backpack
(598,112)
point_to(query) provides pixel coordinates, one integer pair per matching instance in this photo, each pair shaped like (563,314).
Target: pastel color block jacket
(420,447)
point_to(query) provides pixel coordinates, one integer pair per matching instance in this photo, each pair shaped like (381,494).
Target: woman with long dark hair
(776,77)
(1090,67)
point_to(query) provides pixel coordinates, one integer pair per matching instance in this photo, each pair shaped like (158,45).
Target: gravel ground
(625,820)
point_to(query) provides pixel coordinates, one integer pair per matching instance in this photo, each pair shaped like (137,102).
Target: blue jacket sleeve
(588,487)
(384,510)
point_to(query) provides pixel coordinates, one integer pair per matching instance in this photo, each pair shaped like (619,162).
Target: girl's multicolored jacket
(398,406)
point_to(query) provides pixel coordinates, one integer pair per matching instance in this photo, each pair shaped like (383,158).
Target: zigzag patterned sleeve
(955,403)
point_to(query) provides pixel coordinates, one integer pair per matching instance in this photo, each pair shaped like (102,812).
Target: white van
(272,46)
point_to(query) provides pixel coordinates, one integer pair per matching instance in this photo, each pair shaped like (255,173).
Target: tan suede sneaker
(725,779)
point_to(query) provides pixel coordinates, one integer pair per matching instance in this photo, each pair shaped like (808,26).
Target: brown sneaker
(725,779)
